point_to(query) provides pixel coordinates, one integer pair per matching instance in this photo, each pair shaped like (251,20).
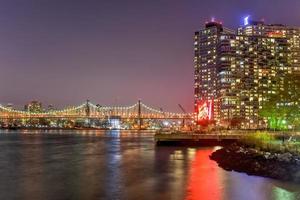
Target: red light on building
(276,34)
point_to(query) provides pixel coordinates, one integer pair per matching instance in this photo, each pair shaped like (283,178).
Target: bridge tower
(87,108)
(140,122)
(88,112)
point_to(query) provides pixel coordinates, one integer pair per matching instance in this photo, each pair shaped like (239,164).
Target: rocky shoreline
(237,157)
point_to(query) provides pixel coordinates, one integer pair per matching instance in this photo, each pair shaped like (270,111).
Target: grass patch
(265,141)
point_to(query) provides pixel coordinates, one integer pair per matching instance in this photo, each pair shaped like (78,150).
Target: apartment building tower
(236,70)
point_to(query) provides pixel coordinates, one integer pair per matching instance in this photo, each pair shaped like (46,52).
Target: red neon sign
(276,34)
(204,111)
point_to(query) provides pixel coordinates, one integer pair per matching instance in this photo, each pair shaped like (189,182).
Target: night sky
(113,52)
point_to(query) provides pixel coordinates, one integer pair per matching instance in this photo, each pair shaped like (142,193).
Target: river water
(120,165)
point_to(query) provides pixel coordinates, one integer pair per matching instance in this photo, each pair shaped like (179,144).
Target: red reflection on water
(204,178)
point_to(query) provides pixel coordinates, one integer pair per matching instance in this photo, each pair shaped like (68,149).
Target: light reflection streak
(282,194)
(204,180)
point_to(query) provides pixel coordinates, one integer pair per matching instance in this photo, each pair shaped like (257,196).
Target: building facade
(238,69)
(34,106)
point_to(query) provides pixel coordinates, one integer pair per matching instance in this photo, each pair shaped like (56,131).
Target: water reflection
(205,179)
(120,165)
(208,181)
(282,194)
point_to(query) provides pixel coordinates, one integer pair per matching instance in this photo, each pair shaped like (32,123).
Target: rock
(286,157)
(241,150)
(267,155)
(297,161)
(253,162)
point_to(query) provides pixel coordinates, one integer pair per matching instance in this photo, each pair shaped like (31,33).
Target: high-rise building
(33,106)
(50,108)
(205,47)
(237,70)
(10,106)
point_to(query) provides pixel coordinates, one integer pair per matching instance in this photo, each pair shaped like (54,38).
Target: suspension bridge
(92,111)
(138,112)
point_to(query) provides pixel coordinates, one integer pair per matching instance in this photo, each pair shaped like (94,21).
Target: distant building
(33,106)
(237,70)
(10,106)
(50,108)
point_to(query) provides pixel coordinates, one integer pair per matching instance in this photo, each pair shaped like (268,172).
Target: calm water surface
(120,165)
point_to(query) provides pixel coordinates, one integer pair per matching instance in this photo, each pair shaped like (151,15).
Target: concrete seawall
(195,139)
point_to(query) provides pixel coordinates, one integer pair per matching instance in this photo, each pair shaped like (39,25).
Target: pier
(191,138)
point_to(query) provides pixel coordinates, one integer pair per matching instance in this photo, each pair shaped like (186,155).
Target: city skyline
(141,99)
(64,52)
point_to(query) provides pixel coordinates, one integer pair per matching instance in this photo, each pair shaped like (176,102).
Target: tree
(282,108)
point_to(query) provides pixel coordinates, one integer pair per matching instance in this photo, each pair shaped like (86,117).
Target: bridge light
(166,123)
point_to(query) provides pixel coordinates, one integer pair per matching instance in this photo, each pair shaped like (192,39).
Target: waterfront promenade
(214,137)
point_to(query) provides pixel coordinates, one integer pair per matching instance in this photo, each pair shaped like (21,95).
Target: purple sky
(113,52)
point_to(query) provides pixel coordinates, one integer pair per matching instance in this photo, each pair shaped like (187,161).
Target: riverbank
(238,157)
(62,129)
